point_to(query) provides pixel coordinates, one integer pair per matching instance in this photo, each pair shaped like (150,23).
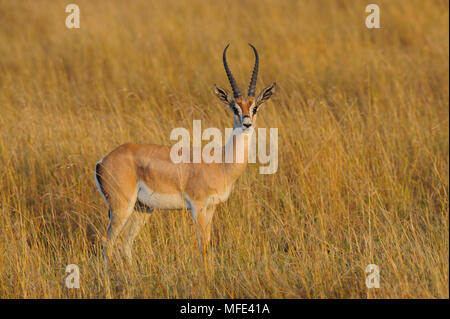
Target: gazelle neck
(236,151)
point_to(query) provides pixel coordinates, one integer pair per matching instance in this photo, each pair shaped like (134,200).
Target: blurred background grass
(363,125)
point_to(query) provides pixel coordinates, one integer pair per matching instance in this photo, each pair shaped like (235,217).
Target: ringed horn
(234,87)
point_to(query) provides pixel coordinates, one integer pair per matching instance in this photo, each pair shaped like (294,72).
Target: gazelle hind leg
(117,220)
(134,225)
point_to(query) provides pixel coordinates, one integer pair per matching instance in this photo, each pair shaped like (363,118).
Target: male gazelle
(135,179)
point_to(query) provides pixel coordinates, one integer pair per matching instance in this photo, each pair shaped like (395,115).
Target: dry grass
(363,126)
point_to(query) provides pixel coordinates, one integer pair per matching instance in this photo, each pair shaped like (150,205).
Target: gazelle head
(244,108)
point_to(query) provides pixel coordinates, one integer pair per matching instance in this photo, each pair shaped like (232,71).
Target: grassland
(363,120)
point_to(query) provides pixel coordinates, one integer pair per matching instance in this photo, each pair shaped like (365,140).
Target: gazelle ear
(265,94)
(223,95)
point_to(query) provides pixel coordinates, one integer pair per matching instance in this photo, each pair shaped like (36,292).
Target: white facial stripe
(235,107)
(239,109)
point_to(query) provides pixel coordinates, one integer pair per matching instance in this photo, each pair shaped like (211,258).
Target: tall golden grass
(363,125)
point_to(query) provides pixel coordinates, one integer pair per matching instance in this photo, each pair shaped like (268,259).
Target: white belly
(160,201)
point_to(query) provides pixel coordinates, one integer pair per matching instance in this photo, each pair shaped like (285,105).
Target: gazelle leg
(117,220)
(202,219)
(209,213)
(135,223)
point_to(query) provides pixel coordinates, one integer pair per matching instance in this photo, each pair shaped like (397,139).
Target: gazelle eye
(254,110)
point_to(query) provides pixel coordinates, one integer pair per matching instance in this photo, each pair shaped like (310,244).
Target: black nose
(247,125)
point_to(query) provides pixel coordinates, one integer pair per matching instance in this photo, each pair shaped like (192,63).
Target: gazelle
(135,179)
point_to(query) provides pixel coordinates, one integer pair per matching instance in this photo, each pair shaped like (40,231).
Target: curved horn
(252,86)
(233,84)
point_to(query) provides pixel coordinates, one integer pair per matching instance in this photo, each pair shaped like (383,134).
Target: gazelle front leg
(209,217)
(202,216)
